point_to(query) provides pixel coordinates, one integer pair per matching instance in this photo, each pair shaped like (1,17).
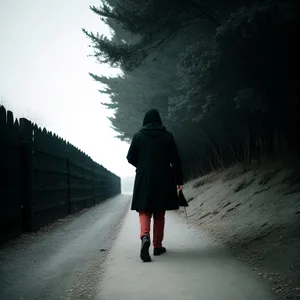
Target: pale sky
(44,75)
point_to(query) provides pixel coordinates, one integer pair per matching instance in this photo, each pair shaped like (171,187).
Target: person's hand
(179,187)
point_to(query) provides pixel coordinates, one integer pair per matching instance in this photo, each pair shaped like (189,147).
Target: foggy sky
(44,75)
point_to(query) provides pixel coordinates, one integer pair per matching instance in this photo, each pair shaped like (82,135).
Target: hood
(152,116)
(152,124)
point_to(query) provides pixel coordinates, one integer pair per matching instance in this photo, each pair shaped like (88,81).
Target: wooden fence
(44,178)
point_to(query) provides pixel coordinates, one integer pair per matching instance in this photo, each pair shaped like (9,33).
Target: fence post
(26,144)
(94,186)
(69,182)
(103,184)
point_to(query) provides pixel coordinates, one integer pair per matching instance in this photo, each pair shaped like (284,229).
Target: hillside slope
(256,212)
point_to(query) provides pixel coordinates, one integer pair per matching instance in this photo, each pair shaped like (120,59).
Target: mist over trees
(223,75)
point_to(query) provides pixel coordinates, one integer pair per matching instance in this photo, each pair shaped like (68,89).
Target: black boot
(159,251)
(145,256)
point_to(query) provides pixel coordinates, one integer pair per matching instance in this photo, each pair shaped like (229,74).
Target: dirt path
(194,268)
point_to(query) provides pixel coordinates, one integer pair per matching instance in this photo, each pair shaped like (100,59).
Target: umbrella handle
(187,219)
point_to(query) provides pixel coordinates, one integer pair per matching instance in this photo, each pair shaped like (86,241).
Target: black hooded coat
(158,168)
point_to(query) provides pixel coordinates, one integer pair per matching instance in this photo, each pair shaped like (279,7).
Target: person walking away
(154,154)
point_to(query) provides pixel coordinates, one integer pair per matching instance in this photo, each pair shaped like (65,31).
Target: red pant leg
(145,222)
(158,230)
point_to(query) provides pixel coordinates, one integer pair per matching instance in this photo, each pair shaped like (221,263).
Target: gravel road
(63,260)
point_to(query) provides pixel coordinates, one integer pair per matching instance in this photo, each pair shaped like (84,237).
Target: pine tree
(222,75)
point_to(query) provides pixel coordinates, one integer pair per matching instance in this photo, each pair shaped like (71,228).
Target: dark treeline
(224,75)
